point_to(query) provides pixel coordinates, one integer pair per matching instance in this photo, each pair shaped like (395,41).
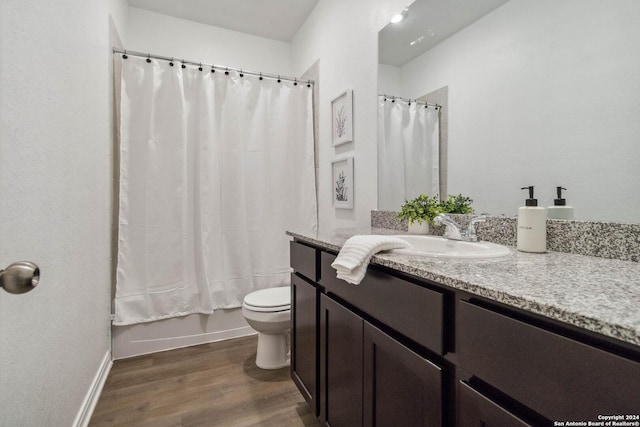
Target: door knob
(20,277)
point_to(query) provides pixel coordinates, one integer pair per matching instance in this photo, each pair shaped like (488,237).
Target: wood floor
(215,384)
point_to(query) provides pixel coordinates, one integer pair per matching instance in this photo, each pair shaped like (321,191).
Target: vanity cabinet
(412,310)
(340,365)
(401,388)
(398,385)
(368,378)
(304,322)
(477,410)
(543,368)
(397,350)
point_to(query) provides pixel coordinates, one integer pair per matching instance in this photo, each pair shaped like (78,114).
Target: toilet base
(273,351)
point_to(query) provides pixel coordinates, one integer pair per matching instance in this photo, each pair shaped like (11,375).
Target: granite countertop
(597,294)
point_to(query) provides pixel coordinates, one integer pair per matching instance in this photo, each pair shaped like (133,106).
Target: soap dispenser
(532,225)
(560,210)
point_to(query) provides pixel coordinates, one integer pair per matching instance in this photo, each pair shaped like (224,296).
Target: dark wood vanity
(399,350)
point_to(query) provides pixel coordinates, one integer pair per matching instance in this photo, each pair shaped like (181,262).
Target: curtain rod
(185,62)
(426,104)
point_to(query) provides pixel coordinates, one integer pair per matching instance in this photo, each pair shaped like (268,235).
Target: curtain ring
(148,58)
(200,67)
(226,72)
(183,65)
(171,62)
(124,55)
(279,79)
(260,76)
(295,83)
(241,73)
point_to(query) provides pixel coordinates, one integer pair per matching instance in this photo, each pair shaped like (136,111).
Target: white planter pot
(419,228)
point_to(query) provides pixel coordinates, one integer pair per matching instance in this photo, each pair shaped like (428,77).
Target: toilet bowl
(268,311)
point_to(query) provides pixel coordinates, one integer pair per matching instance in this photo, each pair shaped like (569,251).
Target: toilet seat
(269,300)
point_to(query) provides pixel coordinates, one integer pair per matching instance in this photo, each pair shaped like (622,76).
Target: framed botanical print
(342,176)
(342,118)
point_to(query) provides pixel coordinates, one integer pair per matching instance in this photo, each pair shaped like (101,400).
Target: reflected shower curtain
(408,152)
(213,170)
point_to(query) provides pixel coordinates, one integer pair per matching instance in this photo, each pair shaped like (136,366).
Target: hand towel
(352,261)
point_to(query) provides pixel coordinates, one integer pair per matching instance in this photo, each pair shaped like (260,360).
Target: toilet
(268,311)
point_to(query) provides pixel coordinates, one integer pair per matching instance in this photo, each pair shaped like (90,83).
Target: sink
(439,247)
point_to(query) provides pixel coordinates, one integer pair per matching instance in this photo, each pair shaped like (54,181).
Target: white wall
(167,36)
(534,85)
(54,205)
(390,81)
(343,36)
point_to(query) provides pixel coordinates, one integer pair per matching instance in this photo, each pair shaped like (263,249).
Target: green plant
(457,204)
(422,208)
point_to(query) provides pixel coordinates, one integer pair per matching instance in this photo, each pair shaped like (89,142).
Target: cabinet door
(304,334)
(401,388)
(340,365)
(476,410)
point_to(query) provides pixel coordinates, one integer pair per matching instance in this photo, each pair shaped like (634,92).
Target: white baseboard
(91,399)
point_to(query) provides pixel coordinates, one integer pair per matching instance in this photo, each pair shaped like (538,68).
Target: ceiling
(429,22)
(433,20)
(273,19)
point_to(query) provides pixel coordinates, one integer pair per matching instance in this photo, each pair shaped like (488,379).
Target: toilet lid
(272,299)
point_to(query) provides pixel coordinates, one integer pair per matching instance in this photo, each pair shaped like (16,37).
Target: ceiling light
(399,17)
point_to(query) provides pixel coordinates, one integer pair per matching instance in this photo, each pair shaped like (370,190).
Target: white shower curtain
(408,152)
(213,169)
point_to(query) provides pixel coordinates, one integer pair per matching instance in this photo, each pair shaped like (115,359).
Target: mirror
(543,93)
(409,143)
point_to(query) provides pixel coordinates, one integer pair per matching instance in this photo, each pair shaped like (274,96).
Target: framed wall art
(342,176)
(342,118)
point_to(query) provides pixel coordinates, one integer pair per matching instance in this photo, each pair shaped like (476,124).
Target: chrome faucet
(454,231)
(471,229)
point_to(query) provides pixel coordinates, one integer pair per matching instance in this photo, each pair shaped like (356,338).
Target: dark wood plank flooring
(215,384)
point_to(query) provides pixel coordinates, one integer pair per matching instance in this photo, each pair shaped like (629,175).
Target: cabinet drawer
(558,377)
(476,410)
(412,310)
(304,260)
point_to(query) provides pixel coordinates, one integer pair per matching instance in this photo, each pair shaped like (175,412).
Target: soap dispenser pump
(560,210)
(532,225)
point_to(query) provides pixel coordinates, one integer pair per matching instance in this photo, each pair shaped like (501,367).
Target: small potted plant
(457,205)
(420,212)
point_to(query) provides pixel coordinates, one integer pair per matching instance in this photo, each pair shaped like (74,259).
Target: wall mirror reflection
(543,93)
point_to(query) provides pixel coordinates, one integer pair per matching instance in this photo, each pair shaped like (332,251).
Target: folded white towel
(352,261)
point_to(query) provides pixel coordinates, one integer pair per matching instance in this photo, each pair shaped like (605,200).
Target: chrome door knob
(20,277)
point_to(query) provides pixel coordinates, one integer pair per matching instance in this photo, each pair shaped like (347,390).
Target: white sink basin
(439,247)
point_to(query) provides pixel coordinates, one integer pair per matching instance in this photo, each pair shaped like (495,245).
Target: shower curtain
(408,152)
(213,169)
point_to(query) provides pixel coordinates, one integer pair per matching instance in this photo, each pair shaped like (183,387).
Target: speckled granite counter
(597,294)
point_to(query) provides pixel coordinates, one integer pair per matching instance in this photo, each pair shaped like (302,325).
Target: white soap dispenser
(532,225)
(560,210)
